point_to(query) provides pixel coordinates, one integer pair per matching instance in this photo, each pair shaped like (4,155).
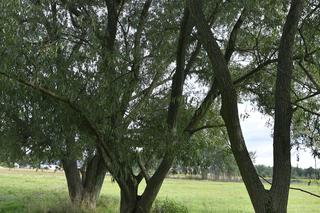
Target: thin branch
(255,70)
(309,76)
(293,188)
(233,36)
(305,191)
(267,181)
(140,176)
(192,131)
(143,169)
(307,97)
(305,109)
(137,38)
(214,92)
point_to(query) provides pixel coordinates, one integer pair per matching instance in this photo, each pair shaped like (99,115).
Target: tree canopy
(119,81)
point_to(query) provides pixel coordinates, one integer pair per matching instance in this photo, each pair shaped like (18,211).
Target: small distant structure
(50,167)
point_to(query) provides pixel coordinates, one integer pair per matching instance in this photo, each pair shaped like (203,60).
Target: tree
(30,135)
(83,62)
(120,69)
(263,200)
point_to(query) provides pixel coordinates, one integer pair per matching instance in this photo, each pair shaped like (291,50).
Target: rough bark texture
(129,195)
(283,111)
(84,191)
(93,181)
(262,200)
(73,180)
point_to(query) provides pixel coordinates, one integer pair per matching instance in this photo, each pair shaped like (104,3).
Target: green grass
(25,191)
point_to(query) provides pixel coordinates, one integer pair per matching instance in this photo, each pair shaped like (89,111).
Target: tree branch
(314,82)
(75,108)
(293,188)
(179,75)
(192,131)
(143,169)
(306,97)
(233,36)
(305,109)
(137,38)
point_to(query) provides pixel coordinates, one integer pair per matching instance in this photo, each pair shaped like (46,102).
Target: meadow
(44,191)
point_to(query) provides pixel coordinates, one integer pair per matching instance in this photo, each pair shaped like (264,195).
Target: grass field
(30,191)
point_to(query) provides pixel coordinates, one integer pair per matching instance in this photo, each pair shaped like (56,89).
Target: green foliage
(168,206)
(311,173)
(77,88)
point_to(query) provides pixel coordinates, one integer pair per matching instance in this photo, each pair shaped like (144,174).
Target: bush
(169,206)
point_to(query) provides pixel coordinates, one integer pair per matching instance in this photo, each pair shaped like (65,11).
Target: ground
(46,191)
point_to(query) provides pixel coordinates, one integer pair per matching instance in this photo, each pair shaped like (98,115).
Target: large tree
(36,132)
(275,199)
(123,69)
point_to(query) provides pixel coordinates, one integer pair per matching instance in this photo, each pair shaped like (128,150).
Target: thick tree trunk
(74,182)
(154,184)
(128,193)
(93,181)
(128,201)
(85,191)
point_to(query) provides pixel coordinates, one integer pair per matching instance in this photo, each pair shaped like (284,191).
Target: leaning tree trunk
(84,191)
(276,199)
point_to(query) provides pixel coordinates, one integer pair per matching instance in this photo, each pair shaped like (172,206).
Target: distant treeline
(230,172)
(296,172)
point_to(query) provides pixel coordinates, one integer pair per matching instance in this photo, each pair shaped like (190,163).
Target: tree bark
(283,111)
(262,200)
(74,182)
(93,181)
(229,109)
(129,196)
(84,191)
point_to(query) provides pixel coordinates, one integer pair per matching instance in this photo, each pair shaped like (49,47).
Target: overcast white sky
(258,138)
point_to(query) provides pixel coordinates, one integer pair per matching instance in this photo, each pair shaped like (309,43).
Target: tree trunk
(128,193)
(93,181)
(229,109)
(283,111)
(204,173)
(128,201)
(74,182)
(85,191)
(276,199)
(154,184)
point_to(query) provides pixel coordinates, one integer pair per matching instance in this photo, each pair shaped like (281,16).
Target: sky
(257,134)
